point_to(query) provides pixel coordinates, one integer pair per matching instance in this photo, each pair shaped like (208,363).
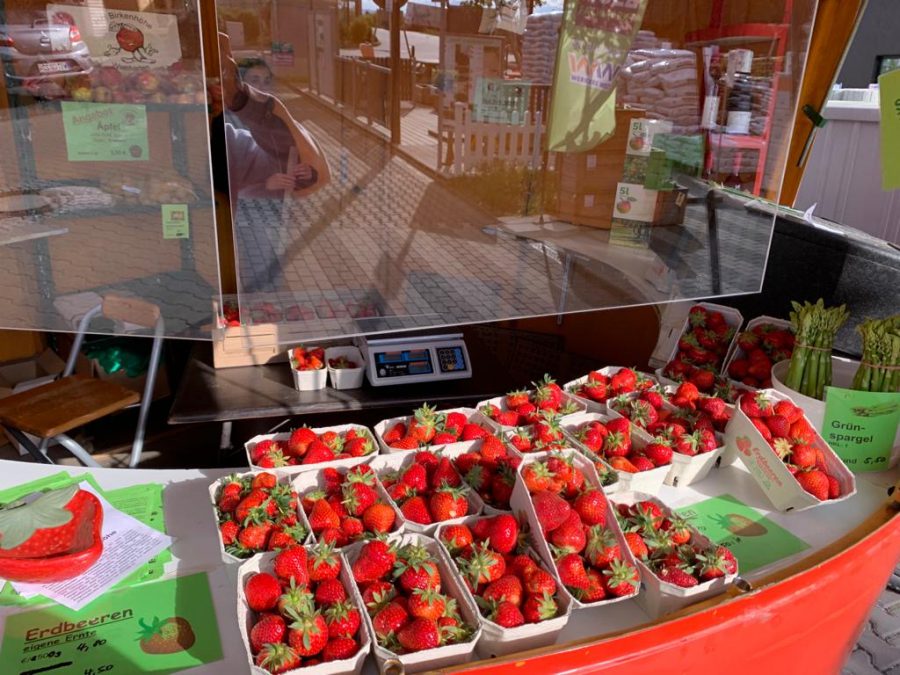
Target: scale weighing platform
(406,360)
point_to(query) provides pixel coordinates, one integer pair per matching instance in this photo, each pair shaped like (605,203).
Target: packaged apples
(298,609)
(523,407)
(790,461)
(415,608)
(574,529)
(345,505)
(679,566)
(428,427)
(520,604)
(306,448)
(256,512)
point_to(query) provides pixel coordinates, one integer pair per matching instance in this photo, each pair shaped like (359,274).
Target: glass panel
(389,165)
(105,179)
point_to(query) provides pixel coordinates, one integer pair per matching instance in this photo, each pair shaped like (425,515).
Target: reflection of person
(273,153)
(256,73)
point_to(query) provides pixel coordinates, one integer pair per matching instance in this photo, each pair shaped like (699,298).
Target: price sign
(889,90)
(105,132)
(860,426)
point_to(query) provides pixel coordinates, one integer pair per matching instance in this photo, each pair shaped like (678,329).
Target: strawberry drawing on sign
(130,39)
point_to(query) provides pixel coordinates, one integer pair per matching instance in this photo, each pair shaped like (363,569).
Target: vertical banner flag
(593,42)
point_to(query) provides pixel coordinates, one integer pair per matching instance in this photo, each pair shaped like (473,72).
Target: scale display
(416,359)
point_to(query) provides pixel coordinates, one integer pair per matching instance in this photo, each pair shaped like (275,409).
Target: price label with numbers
(105,132)
(161,627)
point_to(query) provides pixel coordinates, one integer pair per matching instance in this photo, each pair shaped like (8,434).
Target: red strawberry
(323,563)
(815,482)
(395,433)
(623,381)
(659,451)
(308,634)
(571,571)
(507,615)
(376,559)
(389,619)
(405,443)
(415,509)
(507,588)
(602,547)
(763,428)
(454,422)
(636,545)
(277,657)
(539,582)
(447,503)
(755,404)
(504,533)
(483,565)
(255,536)
(456,537)
(539,608)
(569,537)
(834,487)
(677,576)
(342,620)
(621,578)
(359,447)
(318,452)
(427,603)
(352,528)
(641,463)
(269,629)
(507,418)
(378,518)
(323,516)
(330,591)
(416,477)
(778,425)
(228,530)
(516,398)
(291,564)
(472,432)
(339,649)
(300,441)
(262,592)
(419,634)
(551,509)
(444,473)
(443,438)
(789,411)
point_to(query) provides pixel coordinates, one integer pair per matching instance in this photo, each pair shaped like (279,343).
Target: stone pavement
(878,650)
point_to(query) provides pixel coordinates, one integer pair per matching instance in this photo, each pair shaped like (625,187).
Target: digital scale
(404,360)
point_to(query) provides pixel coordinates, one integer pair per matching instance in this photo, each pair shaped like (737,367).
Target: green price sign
(105,132)
(889,90)
(861,426)
(160,627)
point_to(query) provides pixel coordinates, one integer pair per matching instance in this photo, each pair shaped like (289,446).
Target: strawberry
(677,576)
(300,441)
(444,473)
(539,582)
(834,487)
(395,433)
(454,422)
(492,448)
(419,634)
(318,452)
(376,559)
(416,510)
(359,447)
(621,579)
(254,499)
(539,608)
(338,649)
(359,495)
(571,571)
(263,448)
(405,443)
(277,657)
(789,411)
(641,463)
(815,482)
(262,591)
(636,545)
(483,565)
(418,570)
(622,464)
(255,536)
(456,537)
(569,537)
(308,634)
(443,438)
(330,591)
(342,620)
(537,477)
(323,516)
(324,563)
(762,428)
(447,503)
(416,477)
(228,530)
(507,615)
(778,425)
(602,547)
(389,619)
(659,451)
(269,629)
(801,455)
(291,564)
(623,381)
(427,603)
(755,404)
(504,533)
(712,565)
(507,418)
(551,509)
(472,432)
(516,398)
(378,518)
(378,594)
(352,528)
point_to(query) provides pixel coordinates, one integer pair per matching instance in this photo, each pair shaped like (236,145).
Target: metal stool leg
(75,448)
(26,443)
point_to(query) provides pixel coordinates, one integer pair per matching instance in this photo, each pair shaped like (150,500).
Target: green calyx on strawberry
(51,537)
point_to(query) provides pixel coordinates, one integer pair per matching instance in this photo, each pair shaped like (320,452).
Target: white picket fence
(474,144)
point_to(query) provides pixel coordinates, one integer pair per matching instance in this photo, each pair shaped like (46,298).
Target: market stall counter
(794,566)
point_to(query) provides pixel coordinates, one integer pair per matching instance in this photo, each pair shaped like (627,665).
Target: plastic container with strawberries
(256,512)
(679,565)
(521,604)
(305,448)
(609,440)
(566,508)
(345,505)
(785,454)
(426,490)
(598,386)
(435,624)
(525,406)
(314,627)
(427,427)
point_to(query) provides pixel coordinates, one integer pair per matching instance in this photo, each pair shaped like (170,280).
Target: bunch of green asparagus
(815,327)
(880,367)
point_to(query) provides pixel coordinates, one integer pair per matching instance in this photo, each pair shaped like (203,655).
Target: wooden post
(395,76)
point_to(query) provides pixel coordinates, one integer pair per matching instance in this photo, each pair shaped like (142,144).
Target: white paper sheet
(127,544)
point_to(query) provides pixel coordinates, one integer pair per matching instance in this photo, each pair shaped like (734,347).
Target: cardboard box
(92,368)
(657,207)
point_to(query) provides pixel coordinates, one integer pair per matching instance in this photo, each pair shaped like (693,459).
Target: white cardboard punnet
(497,640)
(521,503)
(500,401)
(341,429)
(771,473)
(609,371)
(737,353)
(440,657)
(283,478)
(472,417)
(245,616)
(346,378)
(659,597)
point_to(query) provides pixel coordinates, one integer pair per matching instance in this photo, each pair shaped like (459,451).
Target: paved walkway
(878,650)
